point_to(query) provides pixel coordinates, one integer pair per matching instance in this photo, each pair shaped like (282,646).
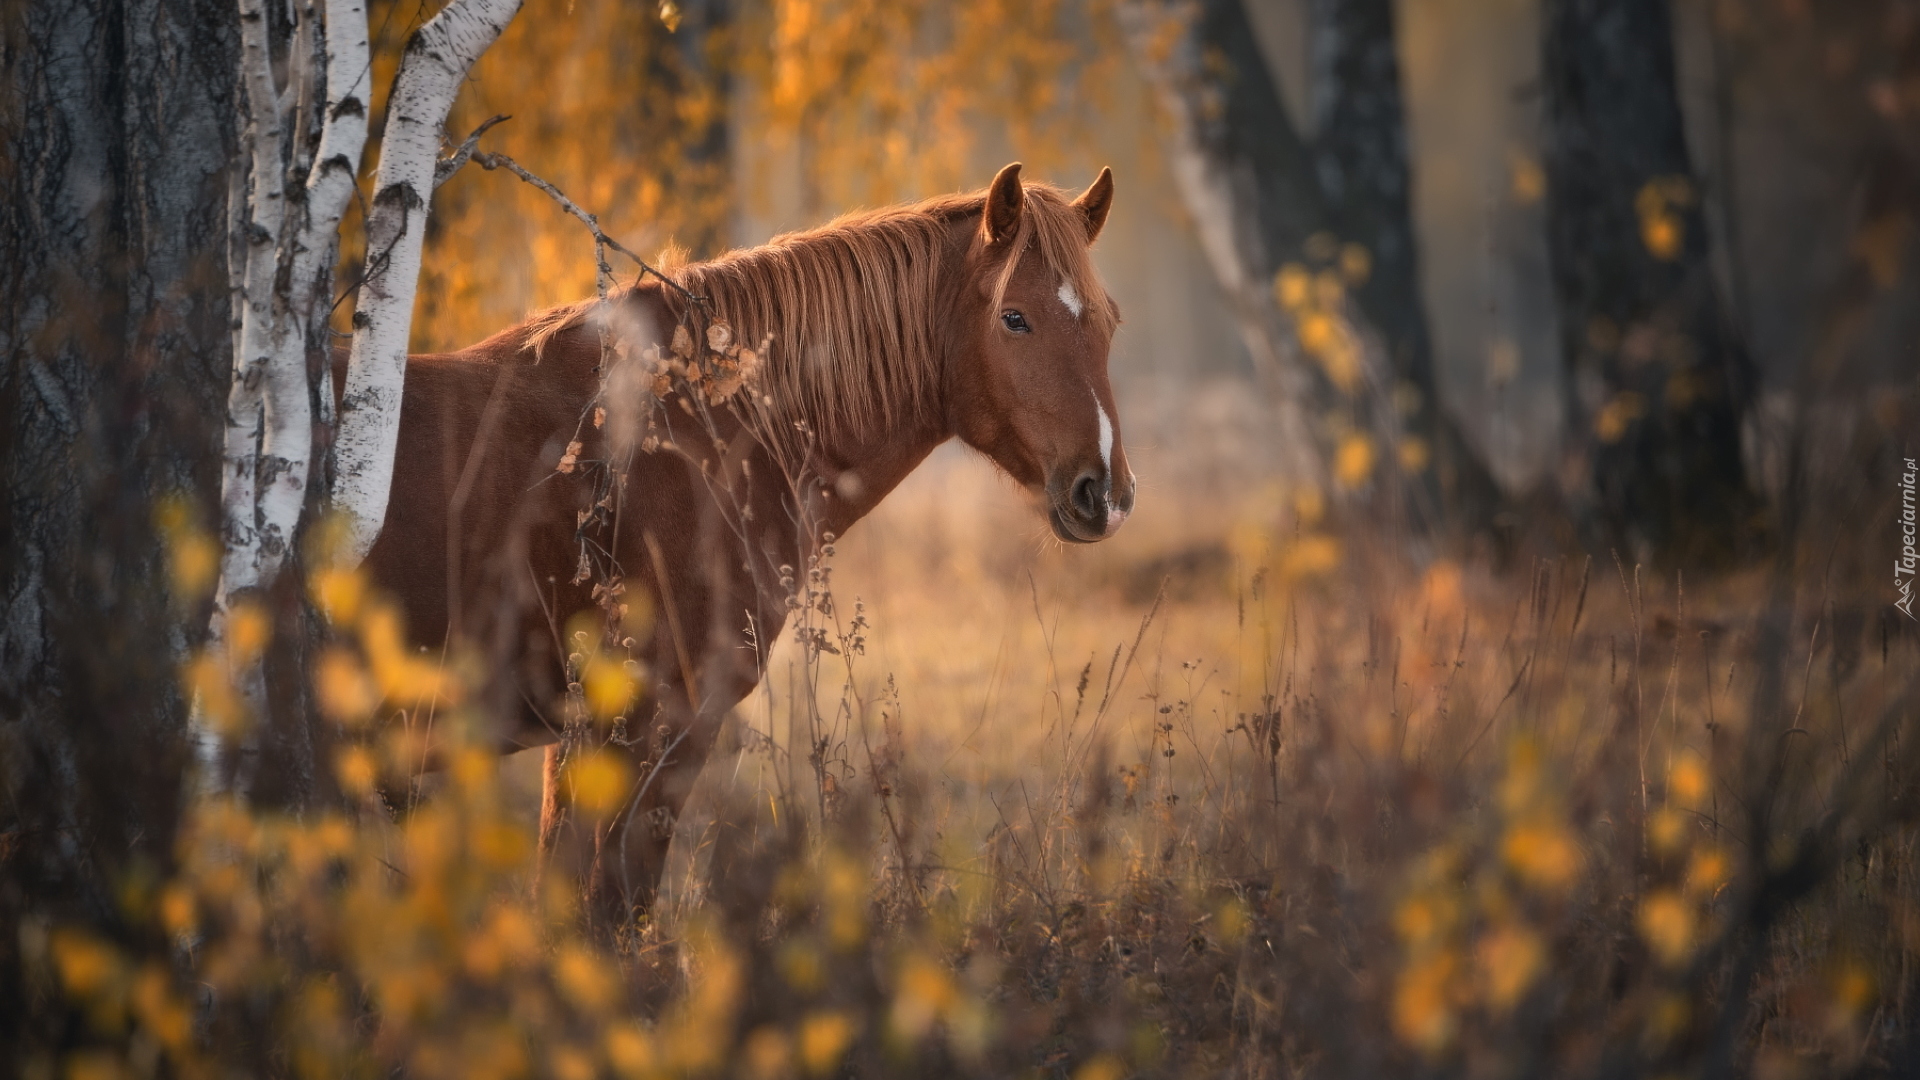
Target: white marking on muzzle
(1070,298)
(1106,437)
(1115,515)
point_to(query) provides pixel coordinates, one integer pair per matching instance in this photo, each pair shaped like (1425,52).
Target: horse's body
(890,332)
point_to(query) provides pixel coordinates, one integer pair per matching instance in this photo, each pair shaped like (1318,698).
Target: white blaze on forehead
(1070,298)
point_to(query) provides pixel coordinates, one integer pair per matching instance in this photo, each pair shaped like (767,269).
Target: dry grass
(1225,796)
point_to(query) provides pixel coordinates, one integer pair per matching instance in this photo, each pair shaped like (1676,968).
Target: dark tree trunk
(118,128)
(1360,161)
(1253,129)
(1656,379)
(1350,184)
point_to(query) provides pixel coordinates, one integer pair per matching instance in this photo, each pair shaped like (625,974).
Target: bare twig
(444,169)
(492,161)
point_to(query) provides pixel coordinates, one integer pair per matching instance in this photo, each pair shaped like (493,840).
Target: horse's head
(1029,383)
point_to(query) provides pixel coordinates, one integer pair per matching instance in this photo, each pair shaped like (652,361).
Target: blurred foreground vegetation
(1282,807)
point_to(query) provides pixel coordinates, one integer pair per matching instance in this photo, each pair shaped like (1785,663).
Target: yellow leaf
(1509,958)
(767,1053)
(1356,264)
(1662,235)
(1290,286)
(1666,830)
(339,592)
(1543,854)
(1309,556)
(88,967)
(631,1050)
(1707,870)
(610,687)
(924,995)
(824,1037)
(1666,921)
(570,1063)
(1353,461)
(1423,920)
(598,780)
(1316,333)
(247,632)
(177,909)
(1423,1000)
(193,561)
(1101,1067)
(1413,454)
(1661,229)
(802,966)
(1528,181)
(1617,415)
(95,1065)
(1442,593)
(160,1010)
(1852,990)
(207,678)
(355,769)
(346,695)
(1687,783)
(502,845)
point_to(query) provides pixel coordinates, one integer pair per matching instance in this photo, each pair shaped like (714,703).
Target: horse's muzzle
(1087,511)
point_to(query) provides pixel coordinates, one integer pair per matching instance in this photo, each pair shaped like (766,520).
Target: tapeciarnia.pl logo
(1909,560)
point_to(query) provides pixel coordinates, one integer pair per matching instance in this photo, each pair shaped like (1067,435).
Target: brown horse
(606,460)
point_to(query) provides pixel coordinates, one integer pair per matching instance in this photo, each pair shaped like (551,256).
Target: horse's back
(470,525)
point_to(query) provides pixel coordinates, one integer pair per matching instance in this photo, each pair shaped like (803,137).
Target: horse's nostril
(1087,497)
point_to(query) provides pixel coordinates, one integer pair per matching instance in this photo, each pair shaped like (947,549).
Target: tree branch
(591,221)
(444,169)
(436,62)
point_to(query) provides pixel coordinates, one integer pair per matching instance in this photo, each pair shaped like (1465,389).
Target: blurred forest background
(1797,135)
(1500,675)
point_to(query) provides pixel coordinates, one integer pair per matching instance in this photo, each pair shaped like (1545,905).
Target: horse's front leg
(619,856)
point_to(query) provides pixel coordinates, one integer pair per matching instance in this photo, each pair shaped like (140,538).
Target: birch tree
(431,70)
(287,217)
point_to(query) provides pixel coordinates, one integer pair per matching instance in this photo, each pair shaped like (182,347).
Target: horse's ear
(1094,203)
(1004,201)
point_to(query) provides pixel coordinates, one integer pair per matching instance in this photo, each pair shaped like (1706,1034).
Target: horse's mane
(851,306)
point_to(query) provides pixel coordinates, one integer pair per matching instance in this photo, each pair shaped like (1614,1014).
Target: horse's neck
(855,475)
(847,474)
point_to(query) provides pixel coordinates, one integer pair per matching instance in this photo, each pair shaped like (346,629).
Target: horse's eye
(1016,322)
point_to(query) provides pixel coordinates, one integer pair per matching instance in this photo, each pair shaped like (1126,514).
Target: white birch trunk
(249,552)
(242,563)
(1220,200)
(268,448)
(435,64)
